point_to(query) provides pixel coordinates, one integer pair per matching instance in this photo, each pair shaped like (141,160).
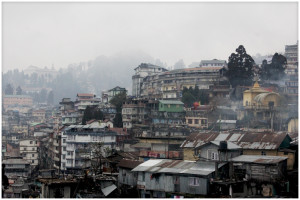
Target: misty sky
(42,34)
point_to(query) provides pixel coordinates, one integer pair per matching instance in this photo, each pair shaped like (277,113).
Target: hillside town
(222,129)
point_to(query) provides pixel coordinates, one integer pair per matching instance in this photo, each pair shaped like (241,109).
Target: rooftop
(130,164)
(171,102)
(244,139)
(259,159)
(201,168)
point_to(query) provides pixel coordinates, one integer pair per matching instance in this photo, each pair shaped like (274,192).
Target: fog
(58,34)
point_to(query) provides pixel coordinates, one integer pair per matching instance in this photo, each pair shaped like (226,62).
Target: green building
(170,106)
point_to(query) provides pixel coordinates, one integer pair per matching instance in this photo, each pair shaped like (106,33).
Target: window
(33,149)
(30,142)
(112,137)
(64,140)
(64,156)
(190,121)
(194,181)
(64,164)
(214,156)
(25,148)
(32,161)
(196,121)
(33,155)
(69,153)
(143,176)
(64,149)
(263,153)
(35,142)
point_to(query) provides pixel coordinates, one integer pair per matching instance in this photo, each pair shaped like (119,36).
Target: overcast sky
(42,34)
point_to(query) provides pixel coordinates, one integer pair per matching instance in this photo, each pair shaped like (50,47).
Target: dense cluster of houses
(164,149)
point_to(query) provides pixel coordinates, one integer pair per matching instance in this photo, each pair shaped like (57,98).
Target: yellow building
(260,105)
(293,125)
(259,98)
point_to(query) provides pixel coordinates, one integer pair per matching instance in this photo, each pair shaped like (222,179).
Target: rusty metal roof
(259,159)
(244,139)
(130,164)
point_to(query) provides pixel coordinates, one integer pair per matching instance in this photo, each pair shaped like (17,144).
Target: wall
(188,154)
(293,125)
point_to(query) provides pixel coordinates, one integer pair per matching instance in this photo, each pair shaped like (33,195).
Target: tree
(118,100)
(9,90)
(87,115)
(19,90)
(188,99)
(92,113)
(118,121)
(240,68)
(50,98)
(96,159)
(275,70)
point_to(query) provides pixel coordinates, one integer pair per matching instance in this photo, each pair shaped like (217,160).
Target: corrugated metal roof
(227,121)
(106,191)
(177,167)
(246,140)
(230,145)
(259,159)
(171,102)
(130,164)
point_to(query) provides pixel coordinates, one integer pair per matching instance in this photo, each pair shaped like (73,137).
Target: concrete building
(291,54)
(142,71)
(29,151)
(213,63)
(17,167)
(84,99)
(134,112)
(20,100)
(76,140)
(169,84)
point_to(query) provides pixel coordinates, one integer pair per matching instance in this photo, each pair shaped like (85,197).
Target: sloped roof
(259,159)
(246,140)
(203,168)
(130,164)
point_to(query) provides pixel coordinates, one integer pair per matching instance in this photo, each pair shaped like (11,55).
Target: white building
(213,63)
(84,99)
(142,71)
(29,151)
(77,140)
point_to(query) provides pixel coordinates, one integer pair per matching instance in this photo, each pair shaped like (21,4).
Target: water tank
(223,145)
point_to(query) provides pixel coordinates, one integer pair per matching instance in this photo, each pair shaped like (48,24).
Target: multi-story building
(20,100)
(213,63)
(29,151)
(76,143)
(142,71)
(291,54)
(134,112)
(169,84)
(17,167)
(108,95)
(83,100)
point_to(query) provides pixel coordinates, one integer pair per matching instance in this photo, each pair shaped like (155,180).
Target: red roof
(85,95)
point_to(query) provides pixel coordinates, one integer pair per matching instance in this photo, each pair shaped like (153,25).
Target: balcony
(162,154)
